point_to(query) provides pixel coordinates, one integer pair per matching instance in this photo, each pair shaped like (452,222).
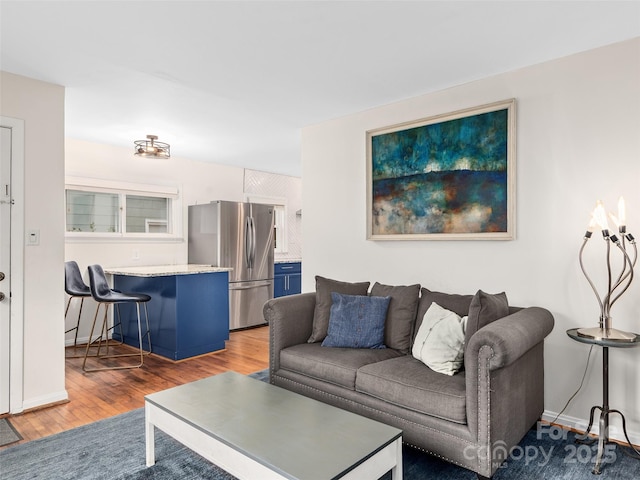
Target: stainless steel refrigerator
(239,236)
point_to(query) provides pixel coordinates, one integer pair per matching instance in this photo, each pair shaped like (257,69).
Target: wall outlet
(136,254)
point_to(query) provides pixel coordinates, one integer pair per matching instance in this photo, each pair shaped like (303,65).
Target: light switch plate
(33,237)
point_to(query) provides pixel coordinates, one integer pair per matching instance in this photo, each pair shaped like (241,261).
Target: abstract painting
(449,177)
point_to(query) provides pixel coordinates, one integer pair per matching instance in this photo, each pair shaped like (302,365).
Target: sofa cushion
(456,303)
(333,365)
(484,309)
(324,287)
(356,321)
(407,382)
(439,343)
(401,315)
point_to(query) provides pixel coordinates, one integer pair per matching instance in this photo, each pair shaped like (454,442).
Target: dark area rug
(8,434)
(114,448)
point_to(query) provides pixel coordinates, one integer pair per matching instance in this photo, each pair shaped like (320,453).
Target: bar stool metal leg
(104,338)
(75,287)
(77,326)
(103,294)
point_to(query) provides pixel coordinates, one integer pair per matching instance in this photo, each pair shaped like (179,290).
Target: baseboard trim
(81,341)
(44,401)
(580,425)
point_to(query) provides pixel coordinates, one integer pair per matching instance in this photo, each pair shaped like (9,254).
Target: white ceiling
(233,82)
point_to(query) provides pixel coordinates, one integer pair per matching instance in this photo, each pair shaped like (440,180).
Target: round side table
(603,433)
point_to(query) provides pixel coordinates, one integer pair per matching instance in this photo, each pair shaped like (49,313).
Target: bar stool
(104,295)
(75,287)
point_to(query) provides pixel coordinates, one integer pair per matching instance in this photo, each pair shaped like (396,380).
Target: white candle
(622,213)
(600,215)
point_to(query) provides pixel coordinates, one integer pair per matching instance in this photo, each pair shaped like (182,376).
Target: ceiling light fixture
(151,148)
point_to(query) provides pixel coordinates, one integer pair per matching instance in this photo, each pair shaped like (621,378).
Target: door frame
(16,333)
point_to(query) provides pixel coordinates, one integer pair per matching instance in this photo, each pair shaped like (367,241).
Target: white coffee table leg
(396,472)
(149,438)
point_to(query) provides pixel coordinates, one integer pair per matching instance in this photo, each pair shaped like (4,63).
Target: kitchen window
(102,209)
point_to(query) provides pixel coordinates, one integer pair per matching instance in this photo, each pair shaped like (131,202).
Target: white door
(5,263)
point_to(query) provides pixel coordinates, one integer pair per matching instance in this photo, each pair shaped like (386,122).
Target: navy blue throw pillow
(356,321)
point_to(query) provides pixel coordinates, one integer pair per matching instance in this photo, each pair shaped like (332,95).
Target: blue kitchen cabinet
(188,314)
(287,279)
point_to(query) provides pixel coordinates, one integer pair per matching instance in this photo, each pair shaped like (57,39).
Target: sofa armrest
(290,322)
(504,363)
(509,337)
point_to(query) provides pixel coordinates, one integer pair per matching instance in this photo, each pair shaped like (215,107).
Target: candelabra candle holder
(616,286)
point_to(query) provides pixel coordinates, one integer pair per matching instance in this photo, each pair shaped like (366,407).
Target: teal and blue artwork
(449,177)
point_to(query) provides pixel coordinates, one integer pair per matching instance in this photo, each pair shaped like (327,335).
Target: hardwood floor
(97,395)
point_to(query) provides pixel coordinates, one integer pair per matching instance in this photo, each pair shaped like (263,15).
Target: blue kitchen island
(188,311)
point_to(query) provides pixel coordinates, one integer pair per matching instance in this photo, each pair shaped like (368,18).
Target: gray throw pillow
(450,301)
(400,315)
(484,309)
(324,287)
(356,321)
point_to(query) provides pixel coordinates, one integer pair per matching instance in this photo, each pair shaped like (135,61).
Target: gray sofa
(472,418)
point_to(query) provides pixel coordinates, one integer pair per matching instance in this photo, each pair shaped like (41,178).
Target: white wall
(287,189)
(197,182)
(578,140)
(41,106)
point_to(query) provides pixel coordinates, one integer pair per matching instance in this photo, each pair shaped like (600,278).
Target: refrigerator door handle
(247,241)
(253,241)
(265,283)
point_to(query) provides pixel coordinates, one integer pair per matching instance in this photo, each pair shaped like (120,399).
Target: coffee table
(253,430)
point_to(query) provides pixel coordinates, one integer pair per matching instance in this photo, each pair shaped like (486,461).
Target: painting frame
(387,215)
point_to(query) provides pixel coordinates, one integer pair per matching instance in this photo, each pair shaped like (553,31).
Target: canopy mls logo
(542,454)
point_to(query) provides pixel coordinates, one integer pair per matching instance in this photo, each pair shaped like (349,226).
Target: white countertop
(288,260)
(165,270)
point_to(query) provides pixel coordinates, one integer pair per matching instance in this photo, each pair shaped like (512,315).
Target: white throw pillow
(439,343)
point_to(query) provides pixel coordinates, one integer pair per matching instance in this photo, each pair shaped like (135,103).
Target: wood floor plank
(97,395)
